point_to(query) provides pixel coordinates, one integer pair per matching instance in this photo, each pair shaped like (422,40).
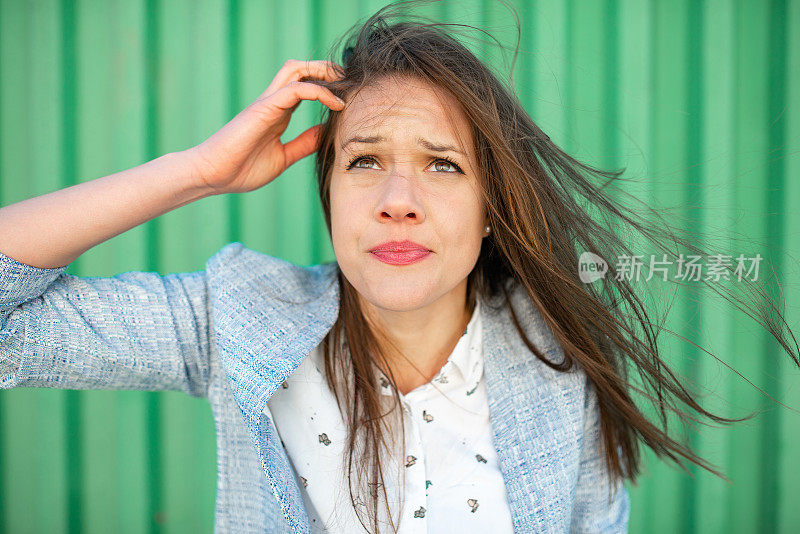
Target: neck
(425,337)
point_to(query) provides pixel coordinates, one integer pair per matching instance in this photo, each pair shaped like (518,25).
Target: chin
(397,294)
(397,303)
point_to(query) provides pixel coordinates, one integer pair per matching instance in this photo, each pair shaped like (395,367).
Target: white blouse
(453,481)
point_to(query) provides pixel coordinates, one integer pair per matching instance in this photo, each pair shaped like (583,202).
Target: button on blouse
(452,481)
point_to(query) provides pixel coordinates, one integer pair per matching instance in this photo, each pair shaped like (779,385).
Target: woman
(448,372)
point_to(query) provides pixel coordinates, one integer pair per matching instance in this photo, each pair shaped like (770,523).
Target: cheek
(463,222)
(346,219)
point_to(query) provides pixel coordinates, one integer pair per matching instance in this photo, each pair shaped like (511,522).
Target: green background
(697,99)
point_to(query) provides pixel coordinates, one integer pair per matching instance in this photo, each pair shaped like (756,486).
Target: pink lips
(400,252)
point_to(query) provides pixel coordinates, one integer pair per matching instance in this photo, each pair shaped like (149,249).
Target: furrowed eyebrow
(359,139)
(438,148)
(420,141)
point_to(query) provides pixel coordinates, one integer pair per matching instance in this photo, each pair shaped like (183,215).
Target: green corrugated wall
(697,99)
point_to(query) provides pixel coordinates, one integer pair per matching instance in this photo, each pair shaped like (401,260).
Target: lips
(400,252)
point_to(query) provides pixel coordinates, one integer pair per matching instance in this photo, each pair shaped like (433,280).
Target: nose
(398,201)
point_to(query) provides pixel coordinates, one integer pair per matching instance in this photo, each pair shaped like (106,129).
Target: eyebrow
(420,141)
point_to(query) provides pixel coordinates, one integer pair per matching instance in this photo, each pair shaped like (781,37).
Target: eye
(447,162)
(356,163)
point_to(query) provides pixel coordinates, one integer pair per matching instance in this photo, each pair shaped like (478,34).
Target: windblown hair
(544,207)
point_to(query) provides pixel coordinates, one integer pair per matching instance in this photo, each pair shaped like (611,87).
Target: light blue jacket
(233,332)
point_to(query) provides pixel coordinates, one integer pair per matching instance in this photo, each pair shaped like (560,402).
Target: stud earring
(487,229)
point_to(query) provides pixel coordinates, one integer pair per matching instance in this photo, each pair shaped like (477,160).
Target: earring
(487,229)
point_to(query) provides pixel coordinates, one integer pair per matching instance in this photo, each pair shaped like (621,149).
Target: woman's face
(389,183)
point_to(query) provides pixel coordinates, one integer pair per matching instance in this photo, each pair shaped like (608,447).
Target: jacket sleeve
(594,510)
(135,330)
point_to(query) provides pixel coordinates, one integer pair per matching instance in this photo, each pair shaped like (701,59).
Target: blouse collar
(467,356)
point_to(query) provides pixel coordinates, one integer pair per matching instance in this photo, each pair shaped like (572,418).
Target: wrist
(191,174)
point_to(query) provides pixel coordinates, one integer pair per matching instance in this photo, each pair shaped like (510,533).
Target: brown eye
(447,162)
(356,163)
(364,160)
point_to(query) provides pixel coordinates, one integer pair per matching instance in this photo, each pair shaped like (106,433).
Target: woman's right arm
(134,330)
(53,229)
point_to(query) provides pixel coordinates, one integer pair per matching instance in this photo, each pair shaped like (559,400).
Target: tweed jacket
(233,332)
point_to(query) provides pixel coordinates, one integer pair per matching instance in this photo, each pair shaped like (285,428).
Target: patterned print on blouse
(445,451)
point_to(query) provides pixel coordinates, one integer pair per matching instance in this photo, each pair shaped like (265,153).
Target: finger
(302,145)
(320,70)
(292,94)
(294,70)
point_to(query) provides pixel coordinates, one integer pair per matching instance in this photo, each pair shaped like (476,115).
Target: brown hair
(544,207)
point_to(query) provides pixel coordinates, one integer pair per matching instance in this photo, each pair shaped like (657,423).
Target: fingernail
(340,100)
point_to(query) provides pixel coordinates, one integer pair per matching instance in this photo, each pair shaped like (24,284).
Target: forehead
(395,107)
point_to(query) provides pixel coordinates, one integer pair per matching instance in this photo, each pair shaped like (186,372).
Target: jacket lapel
(269,314)
(531,407)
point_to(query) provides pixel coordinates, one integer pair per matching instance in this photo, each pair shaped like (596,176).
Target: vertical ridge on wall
(153,259)
(788,514)
(234,106)
(717,163)
(750,156)
(610,101)
(693,200)
(73,436)
(524,74)
(666,170)
(775,126)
